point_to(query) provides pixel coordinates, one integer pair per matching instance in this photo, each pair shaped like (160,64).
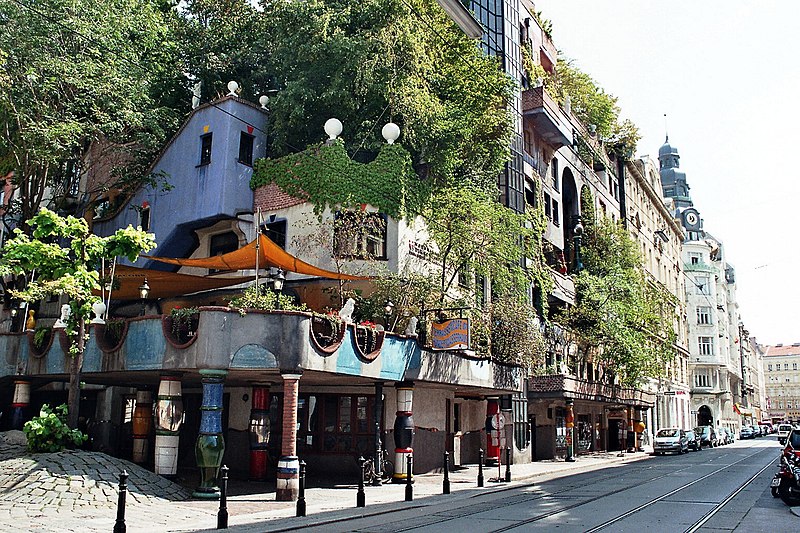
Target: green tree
(370,62)
(621,317)
(66,258)
(87,91)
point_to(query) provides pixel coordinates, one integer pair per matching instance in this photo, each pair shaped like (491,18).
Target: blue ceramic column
(210,445)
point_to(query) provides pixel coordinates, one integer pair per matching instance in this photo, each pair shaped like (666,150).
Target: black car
(708,437)
(695,443)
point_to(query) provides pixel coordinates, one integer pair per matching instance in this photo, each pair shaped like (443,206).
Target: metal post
(480,467)
(361,500)
(409,487)
(119,525)
(222,515)
(508,464)
(446,480)
(301,498)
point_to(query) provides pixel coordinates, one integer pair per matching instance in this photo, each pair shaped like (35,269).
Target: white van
(783,432)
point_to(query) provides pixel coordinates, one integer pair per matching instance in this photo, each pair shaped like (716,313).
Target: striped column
(142,424)
(493,428)
(169,416)
(288,466)
(20,404)
(403,431)
(210,446)
(259,433)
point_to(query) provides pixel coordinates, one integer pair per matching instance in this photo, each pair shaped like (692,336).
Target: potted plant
(327,331)
(182,322)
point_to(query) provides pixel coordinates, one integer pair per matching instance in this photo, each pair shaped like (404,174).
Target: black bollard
(301,498)
(361,500)
(508,464)
(222,515)
(119,525)
(480,467)
(409,487)
(446,480)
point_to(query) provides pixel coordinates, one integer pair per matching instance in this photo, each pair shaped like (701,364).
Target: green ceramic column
(210,445)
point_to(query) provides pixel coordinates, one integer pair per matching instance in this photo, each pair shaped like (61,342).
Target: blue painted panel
(54,361)
(254,356)
(347,362)
(212,394)
(92,356)
(396,356)
(145,345)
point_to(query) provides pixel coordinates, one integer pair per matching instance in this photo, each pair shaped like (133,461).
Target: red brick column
(288,465)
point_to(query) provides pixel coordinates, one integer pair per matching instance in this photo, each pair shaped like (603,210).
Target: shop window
(246,142)
(276,232)
(522,436)
(359,235)
(205,149)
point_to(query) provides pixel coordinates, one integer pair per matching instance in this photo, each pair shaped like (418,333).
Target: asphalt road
(719,489)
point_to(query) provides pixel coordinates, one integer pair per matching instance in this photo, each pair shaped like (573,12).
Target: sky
(727,75)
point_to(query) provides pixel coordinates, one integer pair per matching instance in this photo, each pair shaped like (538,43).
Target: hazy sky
(727,74)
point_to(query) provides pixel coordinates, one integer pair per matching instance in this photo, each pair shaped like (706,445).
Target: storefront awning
(268,253)
(164,284)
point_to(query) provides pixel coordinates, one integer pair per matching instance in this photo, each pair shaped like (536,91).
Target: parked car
(746,433)
(693,440)
(783,432)
(708,437)
(728,436)
(670,440)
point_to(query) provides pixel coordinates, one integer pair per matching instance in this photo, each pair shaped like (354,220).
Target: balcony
(548,119)
(559,385)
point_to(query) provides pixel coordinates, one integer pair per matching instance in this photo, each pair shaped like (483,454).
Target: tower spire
(666,130)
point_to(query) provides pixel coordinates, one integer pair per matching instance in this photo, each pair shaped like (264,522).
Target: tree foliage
(620,316)
(65,258)
(49,431)
(86,85)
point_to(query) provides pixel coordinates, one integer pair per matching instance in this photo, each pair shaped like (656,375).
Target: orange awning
(269,255)
(165,284)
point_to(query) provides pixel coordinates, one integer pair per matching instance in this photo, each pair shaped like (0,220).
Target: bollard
(222,515)
(480,467)
(446,480)
(508,464)
(301,498)
(119,525)
(409,487)
(361,500)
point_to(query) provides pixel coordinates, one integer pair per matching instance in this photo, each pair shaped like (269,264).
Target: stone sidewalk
(77,491)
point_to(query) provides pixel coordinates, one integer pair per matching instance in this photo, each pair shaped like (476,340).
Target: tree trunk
(74,397)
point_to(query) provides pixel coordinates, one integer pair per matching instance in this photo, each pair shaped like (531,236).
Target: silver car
(670,440)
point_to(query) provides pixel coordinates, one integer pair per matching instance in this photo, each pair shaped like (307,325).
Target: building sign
(451,334)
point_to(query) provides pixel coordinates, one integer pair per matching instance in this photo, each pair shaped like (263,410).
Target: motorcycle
(786,483)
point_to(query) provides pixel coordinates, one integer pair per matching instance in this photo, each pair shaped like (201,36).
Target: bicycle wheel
(388,468)
(369,471)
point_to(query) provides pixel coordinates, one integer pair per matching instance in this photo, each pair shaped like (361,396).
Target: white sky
(727,74)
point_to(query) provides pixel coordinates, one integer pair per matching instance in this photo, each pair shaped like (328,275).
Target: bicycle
(370,476)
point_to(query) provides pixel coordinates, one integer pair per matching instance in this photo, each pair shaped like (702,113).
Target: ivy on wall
(324,175)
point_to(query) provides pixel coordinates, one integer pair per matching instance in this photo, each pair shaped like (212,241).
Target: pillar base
(288,479)
(207,494)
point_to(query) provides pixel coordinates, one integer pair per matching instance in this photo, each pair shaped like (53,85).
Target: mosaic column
(403,431)
(493,428)
(210,446)
(288,484)
(142,424)
(569,420)
(20,404)
(259,433)
(169,417)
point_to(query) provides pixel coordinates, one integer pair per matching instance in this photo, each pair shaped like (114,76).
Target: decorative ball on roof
(333,127)
(263,100)
(391,132)
(232,88)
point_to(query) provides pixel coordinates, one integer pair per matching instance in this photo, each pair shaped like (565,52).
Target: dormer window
(246,142)
(205,149)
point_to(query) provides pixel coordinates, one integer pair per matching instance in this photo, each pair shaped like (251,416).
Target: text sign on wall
(451,334)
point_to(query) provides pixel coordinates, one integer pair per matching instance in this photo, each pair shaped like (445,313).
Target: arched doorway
(704,417)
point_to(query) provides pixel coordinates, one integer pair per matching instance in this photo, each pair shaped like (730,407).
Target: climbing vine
(324,175)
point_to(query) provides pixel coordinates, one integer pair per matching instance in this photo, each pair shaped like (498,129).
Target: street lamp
(277,284)
(577,235)
(388,309)
(144,292)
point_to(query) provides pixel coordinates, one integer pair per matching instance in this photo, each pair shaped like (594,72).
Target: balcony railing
(548,119)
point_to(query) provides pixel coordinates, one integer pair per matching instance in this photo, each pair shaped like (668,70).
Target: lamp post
(277,285)
(577,236)
(388,309)
(144,292)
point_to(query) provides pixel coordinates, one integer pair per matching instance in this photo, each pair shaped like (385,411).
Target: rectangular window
(222,243)
(359,235)
(554,173)
(276,232)
(246,149)
(555,212)
(205,149)
(703,285)
(705,345)
(794,366)
(769,368)
(548,210)
(144,219)
(701,380)
(704,315)
(695,258)
(786,366)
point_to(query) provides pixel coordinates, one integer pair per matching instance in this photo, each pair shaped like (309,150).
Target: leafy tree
(65,258)
(86,90)
(621,317)
(49,431)
(370,62)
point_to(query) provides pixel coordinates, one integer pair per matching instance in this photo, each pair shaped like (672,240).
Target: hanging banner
(451,334)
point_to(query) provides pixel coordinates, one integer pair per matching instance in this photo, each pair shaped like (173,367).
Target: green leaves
(49,432)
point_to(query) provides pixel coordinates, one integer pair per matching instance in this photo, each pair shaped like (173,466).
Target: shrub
(49,432)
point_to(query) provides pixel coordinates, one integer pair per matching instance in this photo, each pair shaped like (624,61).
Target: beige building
(782,381)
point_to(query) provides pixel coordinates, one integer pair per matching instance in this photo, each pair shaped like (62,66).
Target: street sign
(669,393)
